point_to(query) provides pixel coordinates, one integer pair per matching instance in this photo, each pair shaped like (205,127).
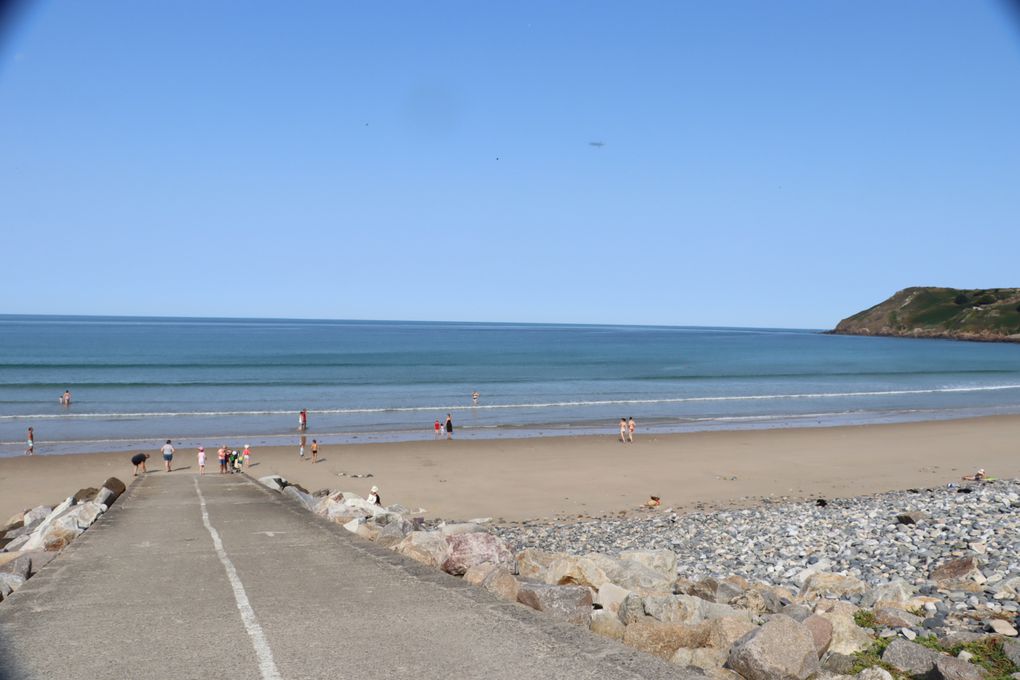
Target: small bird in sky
(597,145)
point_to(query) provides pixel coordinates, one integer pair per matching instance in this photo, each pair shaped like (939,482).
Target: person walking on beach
(315,452)
(449,426)
(247,455)
(138,460)
(623,430)
(201,460)
(168,455)
(30,451)
(222,456)
(301,448)
(630,430)
(438,428)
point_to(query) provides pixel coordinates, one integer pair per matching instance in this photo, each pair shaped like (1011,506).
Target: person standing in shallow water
(31,443)
(449,426)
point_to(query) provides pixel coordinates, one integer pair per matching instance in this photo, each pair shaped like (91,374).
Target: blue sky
(764,164)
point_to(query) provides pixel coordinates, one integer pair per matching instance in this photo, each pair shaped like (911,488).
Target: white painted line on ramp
(258,639)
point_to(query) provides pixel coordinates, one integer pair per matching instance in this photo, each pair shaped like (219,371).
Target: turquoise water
(137,381)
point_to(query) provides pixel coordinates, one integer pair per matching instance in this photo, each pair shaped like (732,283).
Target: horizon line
(167,318)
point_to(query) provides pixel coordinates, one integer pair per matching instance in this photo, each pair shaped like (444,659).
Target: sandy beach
(567,477)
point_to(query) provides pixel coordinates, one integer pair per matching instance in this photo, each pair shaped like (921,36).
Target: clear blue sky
(764,164)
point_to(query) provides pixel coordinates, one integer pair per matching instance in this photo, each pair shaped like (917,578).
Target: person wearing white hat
(373,496)
(247,455)
(201,460)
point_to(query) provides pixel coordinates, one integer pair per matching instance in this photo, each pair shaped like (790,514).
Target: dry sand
(569,476)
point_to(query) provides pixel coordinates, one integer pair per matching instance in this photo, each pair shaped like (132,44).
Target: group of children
(230,460)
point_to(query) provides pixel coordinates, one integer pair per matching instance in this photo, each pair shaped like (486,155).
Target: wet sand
(570,476)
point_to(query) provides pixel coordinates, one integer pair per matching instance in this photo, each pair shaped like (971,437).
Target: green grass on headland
(973,314)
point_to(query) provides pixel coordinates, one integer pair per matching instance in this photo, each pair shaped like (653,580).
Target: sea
(136,382)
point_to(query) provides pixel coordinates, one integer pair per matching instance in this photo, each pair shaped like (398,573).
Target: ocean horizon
(137,381)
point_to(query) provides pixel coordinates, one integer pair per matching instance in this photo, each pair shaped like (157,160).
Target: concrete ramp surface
(214,577)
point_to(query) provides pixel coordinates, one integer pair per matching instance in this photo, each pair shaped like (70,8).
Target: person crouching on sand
(138,460)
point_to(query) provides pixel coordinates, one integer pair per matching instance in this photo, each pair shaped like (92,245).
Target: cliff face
(991,314)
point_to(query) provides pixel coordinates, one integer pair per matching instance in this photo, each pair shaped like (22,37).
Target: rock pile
(786,591)
(31,539)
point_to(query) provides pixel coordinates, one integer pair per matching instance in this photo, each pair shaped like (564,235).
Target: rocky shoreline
(915,584)
(31,539)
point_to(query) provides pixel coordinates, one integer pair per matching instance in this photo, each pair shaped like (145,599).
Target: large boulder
(689,609)
(393,533)
(663,639)
(896,590)
(116,486)
(37,540)
(674,608)
(896,618)
(9,583)
(467,550)
(36,515)
(956,571)
(782,649)
(641,578)
(105,497)
(661,561)
(476,574)
(610,596)
(592,570)
(847,636)
(566,603)
(17,563)
(497,579)
(85,495)
(632,609)
(323,503)
(1011,648)
(874,673)
(501,583)
(821,632)
(826,584)
(910,658)
(533,564)
(428,547)
(951,668)
(87,513)
(59,534)
(607,625)
(15,521)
